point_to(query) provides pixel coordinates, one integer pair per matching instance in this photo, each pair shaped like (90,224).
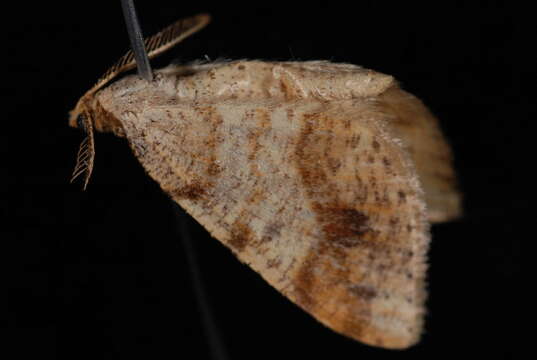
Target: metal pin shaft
(137,40)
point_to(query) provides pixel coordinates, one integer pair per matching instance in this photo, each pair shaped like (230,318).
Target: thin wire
(218,351)
(137,40)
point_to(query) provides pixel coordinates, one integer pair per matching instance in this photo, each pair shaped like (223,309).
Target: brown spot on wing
(312,175)
(333,164)
(376,145)
(273,263)
(241,235)
(304,282)
(213,139)
(354,141)
(402,196)
(213,168)
(271,231)
(365,292)
(192,192)
(265,120)
(256,197)
(341,225)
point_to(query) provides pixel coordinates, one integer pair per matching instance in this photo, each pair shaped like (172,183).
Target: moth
(322,177)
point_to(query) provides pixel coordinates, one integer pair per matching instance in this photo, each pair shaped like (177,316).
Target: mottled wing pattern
(306,182)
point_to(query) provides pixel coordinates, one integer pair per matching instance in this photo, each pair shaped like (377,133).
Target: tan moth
(322,177)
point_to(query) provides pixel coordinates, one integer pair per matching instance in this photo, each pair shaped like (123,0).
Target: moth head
(80,115)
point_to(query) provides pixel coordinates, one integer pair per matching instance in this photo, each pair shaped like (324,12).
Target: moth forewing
(301,170)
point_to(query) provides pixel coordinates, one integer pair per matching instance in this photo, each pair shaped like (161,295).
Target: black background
(101,274)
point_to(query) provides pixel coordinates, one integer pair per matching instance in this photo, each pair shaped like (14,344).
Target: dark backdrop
(101,274)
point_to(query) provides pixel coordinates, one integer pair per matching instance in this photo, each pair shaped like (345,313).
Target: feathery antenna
(137,40)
